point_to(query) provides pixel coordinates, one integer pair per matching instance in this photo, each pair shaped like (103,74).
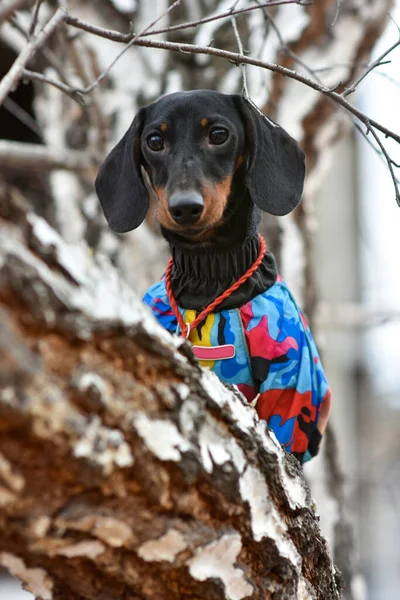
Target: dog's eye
(155,142)
(218,135)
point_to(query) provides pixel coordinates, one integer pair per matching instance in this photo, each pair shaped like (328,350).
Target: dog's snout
(186,208)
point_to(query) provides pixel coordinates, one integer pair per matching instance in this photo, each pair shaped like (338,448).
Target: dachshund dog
(215,162)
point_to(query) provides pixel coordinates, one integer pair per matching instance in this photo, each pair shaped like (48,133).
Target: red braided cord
(187,328)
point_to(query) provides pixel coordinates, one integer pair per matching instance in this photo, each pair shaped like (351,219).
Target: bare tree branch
(44,158)
(127,37)
(67,89)
(51,58)
(377,63)
(228,14)
(35,15)
(389,162)
(17,70)
(238,59)
(240,47)
(63,87)
(86,66)
(133,41)
(375,149)
(286,48)
(10,80)
(10,7)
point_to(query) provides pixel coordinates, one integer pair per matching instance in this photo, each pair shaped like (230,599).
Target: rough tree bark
(126,471)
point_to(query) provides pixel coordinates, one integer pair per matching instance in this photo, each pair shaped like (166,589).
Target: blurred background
(339,250)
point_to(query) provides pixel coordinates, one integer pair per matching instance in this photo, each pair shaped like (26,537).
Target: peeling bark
(126,471)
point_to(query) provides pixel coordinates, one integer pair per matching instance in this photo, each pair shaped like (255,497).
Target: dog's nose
(186,208)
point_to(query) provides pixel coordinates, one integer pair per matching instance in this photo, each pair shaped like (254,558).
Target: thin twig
(10,7)
(377,151)
(286,48)
(229,13)
(46,52)
(377,63)
(354,65)
(389,161)
(11,79)
(85,64)
(235,58)
(45,158)
(63,87)
(383,154)
(35,16)
(134,40)
(127,37)
(343,65)
(238,59)
(245,90)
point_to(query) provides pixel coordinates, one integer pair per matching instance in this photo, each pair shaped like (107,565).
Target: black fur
(276,163)
(119,184)
(272,175)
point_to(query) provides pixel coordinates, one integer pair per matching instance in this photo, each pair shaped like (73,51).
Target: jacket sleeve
(157,300)
(294,394)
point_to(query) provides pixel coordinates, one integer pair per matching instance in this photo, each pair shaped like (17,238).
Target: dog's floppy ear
(276,163)
(119,184)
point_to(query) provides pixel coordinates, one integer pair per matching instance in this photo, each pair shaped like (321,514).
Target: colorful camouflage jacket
(264,347)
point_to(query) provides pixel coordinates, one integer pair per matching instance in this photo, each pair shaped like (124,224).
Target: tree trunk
(126,471)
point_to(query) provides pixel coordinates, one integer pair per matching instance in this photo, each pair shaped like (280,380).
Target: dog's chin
(193,235)
(200,235)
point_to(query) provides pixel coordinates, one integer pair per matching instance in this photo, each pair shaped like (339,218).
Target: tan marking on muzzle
(163,215)
(215,200)
(215,197)
(239,162)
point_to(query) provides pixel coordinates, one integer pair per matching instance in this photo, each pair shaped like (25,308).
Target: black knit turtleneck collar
(199,276)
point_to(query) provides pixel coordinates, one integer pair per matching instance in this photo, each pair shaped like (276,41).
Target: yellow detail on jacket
(205,332)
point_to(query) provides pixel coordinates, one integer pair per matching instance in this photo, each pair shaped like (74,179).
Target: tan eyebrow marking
(204,122)
(163,127)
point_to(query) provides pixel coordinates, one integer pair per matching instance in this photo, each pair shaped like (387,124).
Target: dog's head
(191,144)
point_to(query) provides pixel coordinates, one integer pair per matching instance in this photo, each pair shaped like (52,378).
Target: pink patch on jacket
(214,352)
